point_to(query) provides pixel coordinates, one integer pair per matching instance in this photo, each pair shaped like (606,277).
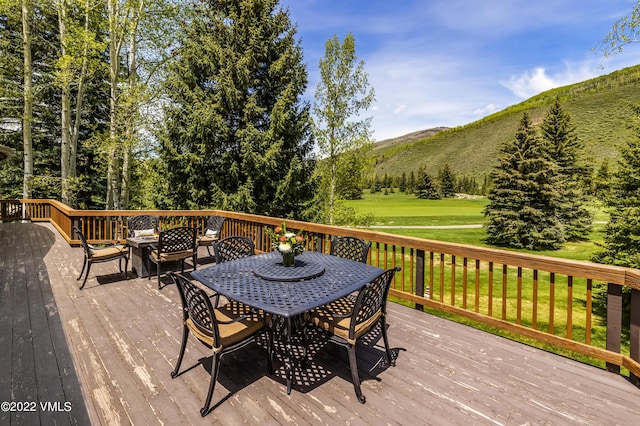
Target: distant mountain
(600,109)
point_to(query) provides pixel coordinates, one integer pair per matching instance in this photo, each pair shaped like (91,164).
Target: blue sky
(451,62)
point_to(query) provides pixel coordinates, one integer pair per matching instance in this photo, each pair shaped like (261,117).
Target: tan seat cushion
(207,240)
(229,333)
(108,252)
(173,256)
(340,326)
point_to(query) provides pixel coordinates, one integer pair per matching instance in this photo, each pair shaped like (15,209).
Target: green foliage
(599,109)
(567,152)
(86,186)
(447,182)
(426,187)
(342,94)
(524,201)
(237,135)
(622,235)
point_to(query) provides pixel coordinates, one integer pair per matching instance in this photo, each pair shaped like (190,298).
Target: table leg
(288,357)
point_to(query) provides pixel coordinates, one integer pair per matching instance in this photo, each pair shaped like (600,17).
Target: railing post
(614,322)
(419,276)
(634,333)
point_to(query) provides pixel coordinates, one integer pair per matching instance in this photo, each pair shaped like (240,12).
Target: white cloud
(532,82)
(486,110)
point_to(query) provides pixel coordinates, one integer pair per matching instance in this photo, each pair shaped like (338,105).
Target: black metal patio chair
(223,329)
(351,248)
(103,253)
(346,320)
(232,248)
(212,232)
(174,245)
(143,225)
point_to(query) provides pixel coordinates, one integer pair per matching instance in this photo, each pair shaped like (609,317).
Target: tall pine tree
(237,134)
(524,200)
(622,235)
(447,182)
(566,149)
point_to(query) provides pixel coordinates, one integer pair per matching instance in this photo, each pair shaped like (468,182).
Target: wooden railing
(11,210)
(482,284)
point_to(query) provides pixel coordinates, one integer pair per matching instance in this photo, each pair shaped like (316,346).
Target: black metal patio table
(287,292)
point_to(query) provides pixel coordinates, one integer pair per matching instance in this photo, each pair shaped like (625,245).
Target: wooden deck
(123,339)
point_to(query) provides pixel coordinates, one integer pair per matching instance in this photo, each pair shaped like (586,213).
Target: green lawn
(399,209)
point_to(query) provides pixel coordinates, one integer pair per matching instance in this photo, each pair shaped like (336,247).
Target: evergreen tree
(447,182)
(411,185)
(566,149)
(237,135)
(602,182)
(403,182)
(426,187)
(524,200)
(623,229)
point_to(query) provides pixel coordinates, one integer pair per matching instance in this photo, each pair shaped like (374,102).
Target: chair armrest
(334,314)
(252,312)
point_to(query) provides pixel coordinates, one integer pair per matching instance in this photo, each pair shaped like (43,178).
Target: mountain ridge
(600,109)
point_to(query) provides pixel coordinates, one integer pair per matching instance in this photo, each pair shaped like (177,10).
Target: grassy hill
(600,109)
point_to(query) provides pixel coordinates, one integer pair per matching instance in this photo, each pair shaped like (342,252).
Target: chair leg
(126,268)
(159,268)
(215,366)
(353,363)
(383,324)
(84,265)
(183,346)
(86,276)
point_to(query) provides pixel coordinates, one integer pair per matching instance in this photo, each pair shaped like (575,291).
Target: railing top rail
(596,271)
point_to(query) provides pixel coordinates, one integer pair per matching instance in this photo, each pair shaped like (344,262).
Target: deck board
(124,337)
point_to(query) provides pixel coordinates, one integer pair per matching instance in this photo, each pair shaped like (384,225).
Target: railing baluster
(420,276)
(504,291)
(614,322)
(569,306)
(453,280)
(477,283)
(490,298)
(519,301)
(534,313)
(552,300)
(587,335)
(465,271)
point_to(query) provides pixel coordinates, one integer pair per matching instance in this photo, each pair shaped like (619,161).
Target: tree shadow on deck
(36,362)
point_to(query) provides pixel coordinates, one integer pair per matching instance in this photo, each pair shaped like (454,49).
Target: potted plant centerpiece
(289,244)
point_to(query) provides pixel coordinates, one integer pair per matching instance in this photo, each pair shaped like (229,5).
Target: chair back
(215,224)
(372,298)
(85,245)
(196,307)
(143,222)
(351,248)
(232,248)
(177,239)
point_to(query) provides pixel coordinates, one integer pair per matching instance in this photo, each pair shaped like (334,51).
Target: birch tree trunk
(65,110)
(27,117)
(114,70)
